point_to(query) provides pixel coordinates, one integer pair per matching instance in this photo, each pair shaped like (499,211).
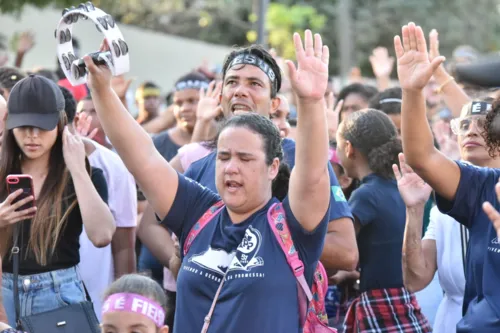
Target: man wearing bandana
(251,82)
(147,98)
(185,99)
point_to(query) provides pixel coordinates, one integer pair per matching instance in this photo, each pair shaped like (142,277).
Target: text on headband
(137,304)
(251,59)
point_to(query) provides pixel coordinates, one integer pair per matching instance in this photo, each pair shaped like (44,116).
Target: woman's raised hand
(414,67)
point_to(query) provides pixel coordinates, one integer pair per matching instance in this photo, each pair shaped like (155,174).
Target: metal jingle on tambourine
(68,36)
(71,57)
(66,61)
(123,46)
(103,22)
(83,7)
(111,22)
(78,71)
(116,48)
(62,37)
(90,5)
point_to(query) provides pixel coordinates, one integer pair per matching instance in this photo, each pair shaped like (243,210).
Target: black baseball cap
(34,101)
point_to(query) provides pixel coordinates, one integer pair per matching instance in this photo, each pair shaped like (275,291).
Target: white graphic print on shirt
(243,259)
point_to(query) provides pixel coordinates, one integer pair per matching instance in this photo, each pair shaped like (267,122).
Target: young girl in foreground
(134,304)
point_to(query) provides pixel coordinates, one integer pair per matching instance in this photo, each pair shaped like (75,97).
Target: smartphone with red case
(24,182)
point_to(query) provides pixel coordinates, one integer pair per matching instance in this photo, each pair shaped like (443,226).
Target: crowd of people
(254,199)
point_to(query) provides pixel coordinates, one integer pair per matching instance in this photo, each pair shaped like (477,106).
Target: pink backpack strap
(277,221)
(202,222)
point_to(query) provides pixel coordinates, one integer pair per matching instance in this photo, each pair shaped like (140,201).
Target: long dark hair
(50,219)
(374,135)
(272,146)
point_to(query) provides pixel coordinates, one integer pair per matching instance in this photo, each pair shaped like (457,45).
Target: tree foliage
(374,22)
(283,20)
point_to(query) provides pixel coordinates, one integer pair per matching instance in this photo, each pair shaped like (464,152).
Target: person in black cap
(68,196)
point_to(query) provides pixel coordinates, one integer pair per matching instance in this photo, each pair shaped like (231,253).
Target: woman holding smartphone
(68,196)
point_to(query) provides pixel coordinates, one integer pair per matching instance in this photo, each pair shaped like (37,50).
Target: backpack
(312,316)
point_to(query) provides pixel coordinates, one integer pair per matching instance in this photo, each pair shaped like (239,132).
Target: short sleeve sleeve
(191,202)
(339,207)
(430,233)
(97,177)
(363,206)
(308,243)
(474,181)
(123,199)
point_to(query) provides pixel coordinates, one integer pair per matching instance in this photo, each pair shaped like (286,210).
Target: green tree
(282,21)
(15,6)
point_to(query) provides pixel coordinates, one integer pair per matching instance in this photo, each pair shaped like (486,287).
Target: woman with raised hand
(460,187)
(69,196)
(235,271)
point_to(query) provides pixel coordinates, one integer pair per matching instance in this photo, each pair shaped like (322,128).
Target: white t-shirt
(446,232)
(96,264)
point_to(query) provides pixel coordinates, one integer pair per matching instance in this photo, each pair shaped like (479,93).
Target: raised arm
(454,96)
(419,256)
(309,192)
(91,192)
(155,177)
(414,72)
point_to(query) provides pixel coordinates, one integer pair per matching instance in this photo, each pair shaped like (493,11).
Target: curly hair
(491,130)
(374,135)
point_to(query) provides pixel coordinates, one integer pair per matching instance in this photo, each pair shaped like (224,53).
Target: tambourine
(117,59)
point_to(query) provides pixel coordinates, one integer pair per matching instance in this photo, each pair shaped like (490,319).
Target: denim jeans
(42,292)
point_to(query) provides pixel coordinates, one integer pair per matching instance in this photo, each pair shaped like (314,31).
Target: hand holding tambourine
(116,57)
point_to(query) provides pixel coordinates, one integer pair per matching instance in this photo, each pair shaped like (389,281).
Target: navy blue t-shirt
(381,211)
(482,292)
(203,172)
(260,291)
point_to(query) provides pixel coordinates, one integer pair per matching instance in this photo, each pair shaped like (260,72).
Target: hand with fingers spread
(310,80)
(382,64)
(208,105)
(10,213)
(414,67)
(73,152)
(82,126)
(99,77)
(492,213)
(414,191)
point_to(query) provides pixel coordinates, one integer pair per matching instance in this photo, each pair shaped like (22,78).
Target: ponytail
(280,183)
(381,158)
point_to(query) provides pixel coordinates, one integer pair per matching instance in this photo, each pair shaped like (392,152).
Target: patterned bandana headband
(191,84)
(137,304)
(251,59)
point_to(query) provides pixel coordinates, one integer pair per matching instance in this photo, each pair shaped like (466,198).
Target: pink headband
(137,304)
